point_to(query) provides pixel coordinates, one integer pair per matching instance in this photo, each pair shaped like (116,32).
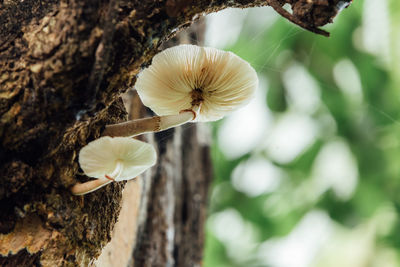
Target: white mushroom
(113,159)
(190,83)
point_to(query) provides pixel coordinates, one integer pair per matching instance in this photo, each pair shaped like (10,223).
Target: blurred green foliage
(366,123)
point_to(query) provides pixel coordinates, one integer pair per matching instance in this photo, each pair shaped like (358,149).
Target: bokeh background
(308,173)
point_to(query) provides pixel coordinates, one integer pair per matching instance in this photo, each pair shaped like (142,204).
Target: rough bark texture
(63,66)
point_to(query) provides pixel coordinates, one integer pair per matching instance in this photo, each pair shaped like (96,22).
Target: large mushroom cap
(186,76)
(102,156)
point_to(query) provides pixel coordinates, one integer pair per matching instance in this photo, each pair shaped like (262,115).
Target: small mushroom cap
(101,157)
(184,76)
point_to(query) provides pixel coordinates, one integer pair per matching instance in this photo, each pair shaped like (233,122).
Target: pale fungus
(113,159)
(184,83)
(189,83)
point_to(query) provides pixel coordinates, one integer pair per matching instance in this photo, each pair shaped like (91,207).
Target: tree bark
(63,67)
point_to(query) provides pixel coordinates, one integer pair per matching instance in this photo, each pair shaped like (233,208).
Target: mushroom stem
(83,188)
(153,124)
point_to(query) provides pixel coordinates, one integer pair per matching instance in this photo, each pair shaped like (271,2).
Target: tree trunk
(63,67)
